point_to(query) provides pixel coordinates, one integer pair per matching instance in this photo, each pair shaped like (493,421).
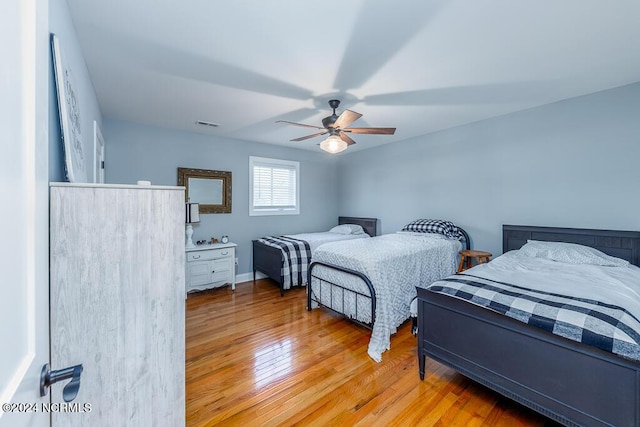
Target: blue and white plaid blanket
(296,255)
(595,323)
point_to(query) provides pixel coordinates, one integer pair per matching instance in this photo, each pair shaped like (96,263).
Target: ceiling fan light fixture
(333,144)
(337,128)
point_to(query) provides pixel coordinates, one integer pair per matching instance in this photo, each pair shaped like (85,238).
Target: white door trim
(24,215)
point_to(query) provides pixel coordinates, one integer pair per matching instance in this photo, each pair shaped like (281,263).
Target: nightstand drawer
(210,254)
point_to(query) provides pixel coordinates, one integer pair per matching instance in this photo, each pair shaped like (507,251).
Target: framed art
(69,110)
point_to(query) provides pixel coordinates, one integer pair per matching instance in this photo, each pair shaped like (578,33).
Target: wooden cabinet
(117,306)
(211,266)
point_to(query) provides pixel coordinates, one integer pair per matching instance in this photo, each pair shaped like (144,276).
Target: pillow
(446,228)
(423,235)
(570,253)
(347,229)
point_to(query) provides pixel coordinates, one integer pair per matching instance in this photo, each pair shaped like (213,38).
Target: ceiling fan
(336,127)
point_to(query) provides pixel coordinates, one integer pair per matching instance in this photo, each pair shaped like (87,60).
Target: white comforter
(395,264)
(316,239)
(563,298)
(619,286)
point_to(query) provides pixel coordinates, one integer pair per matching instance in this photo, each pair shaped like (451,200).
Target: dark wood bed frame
(268,260)
(370,295)
(567,381)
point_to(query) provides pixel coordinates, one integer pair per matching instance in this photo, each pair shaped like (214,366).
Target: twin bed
(369,280)
(285,259)
(372,282)
(559,337)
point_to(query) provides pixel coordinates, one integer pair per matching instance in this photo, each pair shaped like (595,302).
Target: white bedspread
(316,239)
(618,286)
(592,304)
(612,285)
(395,264)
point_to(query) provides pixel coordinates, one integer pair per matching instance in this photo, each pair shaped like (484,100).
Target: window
(274,187)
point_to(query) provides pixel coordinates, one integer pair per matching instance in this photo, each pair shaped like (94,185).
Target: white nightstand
(210,266)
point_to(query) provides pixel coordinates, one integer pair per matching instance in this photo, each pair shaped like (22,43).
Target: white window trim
(275,210)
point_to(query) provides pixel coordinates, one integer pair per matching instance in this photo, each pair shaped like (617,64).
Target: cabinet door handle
(225,253)
(196,257)
(213,271)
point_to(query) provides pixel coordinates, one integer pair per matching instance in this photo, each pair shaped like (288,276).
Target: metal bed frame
(311,298)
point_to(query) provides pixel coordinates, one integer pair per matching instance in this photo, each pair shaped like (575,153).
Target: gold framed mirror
(211,189)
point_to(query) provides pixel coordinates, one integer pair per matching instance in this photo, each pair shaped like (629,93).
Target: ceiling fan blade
(346,118)
(343,136)
(373,131)
(299,124)
(302,138)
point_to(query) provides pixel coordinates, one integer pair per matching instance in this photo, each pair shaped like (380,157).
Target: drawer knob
(225,253)
(196,256)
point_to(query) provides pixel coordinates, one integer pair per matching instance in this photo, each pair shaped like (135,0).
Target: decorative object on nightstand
(224,239)
(466,257)
(192,216)
(211,266)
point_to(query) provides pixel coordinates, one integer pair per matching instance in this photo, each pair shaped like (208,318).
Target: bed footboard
(567,381)
(340,295)
(268,260)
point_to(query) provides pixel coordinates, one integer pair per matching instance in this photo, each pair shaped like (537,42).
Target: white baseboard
(248,277)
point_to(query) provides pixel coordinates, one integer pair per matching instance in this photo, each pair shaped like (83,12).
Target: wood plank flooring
(257,359)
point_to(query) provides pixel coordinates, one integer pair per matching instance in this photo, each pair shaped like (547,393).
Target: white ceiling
(420,66)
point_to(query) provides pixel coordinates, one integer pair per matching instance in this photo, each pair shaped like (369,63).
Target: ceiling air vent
(210,124)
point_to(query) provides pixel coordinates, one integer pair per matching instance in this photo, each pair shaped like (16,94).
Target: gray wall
(60,23)
(137,152)
(572,164)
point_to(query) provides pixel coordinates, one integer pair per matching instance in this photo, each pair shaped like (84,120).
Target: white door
(24,249)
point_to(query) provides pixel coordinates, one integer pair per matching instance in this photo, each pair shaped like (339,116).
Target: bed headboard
(621,244)
(465,237)
(370,225)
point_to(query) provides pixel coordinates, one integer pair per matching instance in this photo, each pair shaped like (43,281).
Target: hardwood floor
(256,359)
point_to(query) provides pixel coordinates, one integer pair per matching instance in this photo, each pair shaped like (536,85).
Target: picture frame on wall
(69,112)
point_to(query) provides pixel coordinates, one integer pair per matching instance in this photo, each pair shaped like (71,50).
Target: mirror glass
(210,188)
(205,191)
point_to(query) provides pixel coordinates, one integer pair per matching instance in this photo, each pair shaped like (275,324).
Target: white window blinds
(274,186)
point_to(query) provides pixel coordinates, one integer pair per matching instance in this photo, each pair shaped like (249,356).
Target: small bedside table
(210,266)
(468,255)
